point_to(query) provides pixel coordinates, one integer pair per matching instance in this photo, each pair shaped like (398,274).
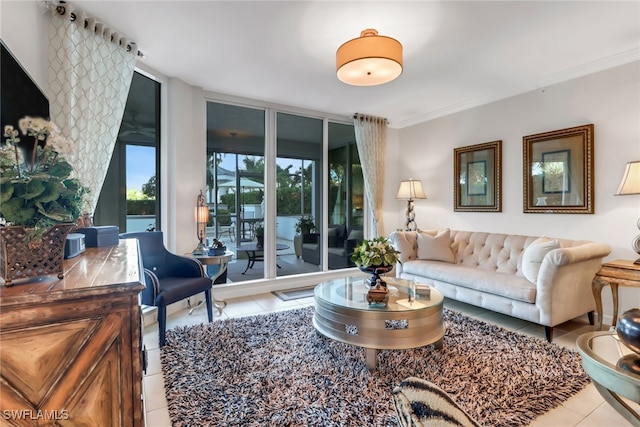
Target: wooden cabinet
(70,349)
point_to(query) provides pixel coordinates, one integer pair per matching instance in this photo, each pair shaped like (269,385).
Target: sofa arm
(405,242)
(564,282)
(584,252)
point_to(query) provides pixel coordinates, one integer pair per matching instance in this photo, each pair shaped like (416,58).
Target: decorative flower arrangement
(36,190)
(377,252)
(305,224)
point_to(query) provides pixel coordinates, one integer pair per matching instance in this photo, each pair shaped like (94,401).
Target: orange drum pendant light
(369,60)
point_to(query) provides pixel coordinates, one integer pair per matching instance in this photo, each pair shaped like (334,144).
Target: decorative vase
(22,258)
(217,251)
(376,271)
(628,329)
(260,241)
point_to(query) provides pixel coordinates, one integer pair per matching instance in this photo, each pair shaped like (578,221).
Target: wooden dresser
(70,349)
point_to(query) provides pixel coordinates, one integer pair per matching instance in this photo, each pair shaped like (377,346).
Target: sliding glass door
(298,192)
(235,185)
(260,161)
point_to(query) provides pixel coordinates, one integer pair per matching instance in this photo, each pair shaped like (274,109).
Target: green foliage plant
(305,224)
(376,252)
(38,192)
(259,229)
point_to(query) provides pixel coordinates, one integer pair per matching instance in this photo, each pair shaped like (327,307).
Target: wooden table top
(94,272)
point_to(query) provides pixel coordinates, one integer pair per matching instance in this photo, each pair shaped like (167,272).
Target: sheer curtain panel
(90,72)
(371,140)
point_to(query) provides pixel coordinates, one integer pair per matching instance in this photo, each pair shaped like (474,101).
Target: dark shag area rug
(276,370)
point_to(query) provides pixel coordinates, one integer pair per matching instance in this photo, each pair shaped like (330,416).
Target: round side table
(220,260)
(600,352)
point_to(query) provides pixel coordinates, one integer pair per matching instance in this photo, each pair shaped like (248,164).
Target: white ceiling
(456,54)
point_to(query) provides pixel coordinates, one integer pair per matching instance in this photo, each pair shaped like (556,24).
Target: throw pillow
(333,239)
(533,256)
(356,235)
(435,248)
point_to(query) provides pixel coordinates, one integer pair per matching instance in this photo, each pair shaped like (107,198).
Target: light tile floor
(585,409)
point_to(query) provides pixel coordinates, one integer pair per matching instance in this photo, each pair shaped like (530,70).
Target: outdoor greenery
(288,194)
(305,224)
(142,202)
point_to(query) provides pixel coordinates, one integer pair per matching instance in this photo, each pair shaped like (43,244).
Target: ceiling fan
(132,127)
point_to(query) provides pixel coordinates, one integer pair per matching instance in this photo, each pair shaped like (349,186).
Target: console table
(600,352)
(71,347)
(615,273)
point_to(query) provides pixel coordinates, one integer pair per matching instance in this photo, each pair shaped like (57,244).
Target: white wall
(23,28)
(608,99)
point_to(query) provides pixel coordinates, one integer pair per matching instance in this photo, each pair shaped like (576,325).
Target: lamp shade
(369,60)
(202,214)
(630,183)
(410,190)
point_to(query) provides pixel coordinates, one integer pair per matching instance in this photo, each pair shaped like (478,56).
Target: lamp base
(630,363)
(410,225)
(201,249)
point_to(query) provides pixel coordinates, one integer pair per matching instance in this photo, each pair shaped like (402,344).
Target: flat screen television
(19,95)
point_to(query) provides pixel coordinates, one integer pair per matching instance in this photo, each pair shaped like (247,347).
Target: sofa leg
(591,320)
(548,331)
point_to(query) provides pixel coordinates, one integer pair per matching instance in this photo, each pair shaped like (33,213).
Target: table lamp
(410,190)
(629,185)
(628,327)
(202,217)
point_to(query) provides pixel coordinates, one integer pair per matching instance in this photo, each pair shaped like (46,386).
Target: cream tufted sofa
(541,280)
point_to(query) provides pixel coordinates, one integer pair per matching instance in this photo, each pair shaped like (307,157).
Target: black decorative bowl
(628,329)
(376,271)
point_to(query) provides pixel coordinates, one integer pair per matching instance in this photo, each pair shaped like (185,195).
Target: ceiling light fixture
(369,60)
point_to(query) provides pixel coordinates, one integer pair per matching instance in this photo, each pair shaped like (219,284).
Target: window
(129,196)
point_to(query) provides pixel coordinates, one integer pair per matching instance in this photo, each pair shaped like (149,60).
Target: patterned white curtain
(371,139)
(90,73)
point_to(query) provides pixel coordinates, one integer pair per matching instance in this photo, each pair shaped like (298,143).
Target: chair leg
(207,299)
(162,322)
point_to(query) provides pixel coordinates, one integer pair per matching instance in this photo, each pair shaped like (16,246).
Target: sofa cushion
(336,234)
(336,251)
(356,235)
(435,248)
(310,246)
(505,285)
(533,256)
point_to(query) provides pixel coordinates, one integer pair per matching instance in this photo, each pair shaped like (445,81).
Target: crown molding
(602,64)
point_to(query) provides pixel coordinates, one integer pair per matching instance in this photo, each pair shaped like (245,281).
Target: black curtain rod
(361,117)
(61,10)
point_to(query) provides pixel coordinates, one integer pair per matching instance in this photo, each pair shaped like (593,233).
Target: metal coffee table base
(369,328)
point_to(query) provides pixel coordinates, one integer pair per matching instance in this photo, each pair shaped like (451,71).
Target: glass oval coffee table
(342,313)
